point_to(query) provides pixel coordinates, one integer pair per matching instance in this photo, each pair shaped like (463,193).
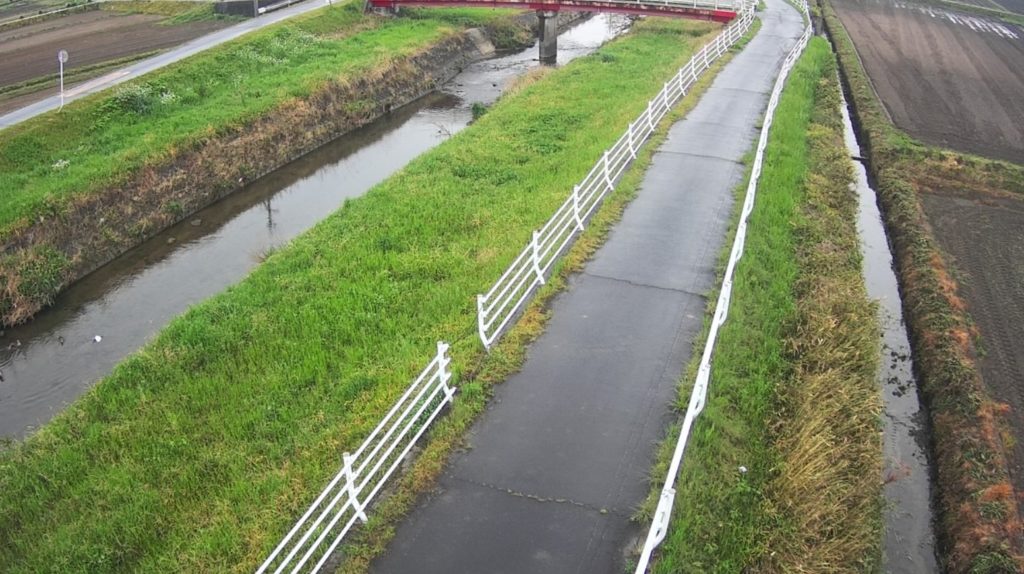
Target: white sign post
(62,57)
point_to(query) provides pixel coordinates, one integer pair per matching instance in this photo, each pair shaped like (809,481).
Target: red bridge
(714,10)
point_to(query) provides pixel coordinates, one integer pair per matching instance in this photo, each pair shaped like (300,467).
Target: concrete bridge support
(548,35)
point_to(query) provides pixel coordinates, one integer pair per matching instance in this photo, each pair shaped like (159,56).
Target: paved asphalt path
(557,464)
(159,61)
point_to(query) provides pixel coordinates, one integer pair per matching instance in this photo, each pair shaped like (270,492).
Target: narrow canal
(52,360)
(909,540)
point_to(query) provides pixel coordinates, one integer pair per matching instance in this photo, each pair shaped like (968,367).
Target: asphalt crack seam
(700,156)
(644,285)
(542,499)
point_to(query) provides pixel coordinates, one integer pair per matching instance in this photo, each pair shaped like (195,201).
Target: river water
(909,540)
(49,362)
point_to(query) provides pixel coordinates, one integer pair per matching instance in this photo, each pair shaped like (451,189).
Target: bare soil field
(90,38)
(984,234)
(950,80)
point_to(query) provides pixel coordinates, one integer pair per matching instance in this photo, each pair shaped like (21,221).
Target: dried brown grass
(827,489)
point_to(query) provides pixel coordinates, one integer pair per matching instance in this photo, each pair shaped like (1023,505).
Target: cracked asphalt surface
(558,463)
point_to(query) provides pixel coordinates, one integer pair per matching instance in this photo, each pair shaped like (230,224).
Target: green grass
(104,138)
(756,417)
(198,452)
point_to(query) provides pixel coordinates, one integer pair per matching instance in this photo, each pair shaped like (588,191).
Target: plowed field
(948,79)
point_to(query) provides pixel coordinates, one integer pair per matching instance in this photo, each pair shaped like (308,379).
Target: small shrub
(174,208)
(134,98)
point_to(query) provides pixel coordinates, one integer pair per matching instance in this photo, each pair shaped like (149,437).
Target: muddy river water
(909,539)
(52,360)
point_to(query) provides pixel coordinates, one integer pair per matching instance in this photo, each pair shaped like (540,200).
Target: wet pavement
(52,360)
(909,539)
(558,463)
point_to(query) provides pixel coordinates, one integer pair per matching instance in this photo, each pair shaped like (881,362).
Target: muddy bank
(978,526)
(44,257)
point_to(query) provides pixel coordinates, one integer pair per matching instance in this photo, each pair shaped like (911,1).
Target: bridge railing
(499,307)
(663,512)
(310,543)
(716,10)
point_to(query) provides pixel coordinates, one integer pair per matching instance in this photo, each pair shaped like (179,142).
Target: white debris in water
(97,339)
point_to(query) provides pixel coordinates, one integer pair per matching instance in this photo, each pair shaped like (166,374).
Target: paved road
(560,459)
(159,61)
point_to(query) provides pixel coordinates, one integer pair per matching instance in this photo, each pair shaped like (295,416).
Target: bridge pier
(548,36)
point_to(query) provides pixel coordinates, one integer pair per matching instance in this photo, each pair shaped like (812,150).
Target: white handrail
(502,303)
(417,408)
(663,513)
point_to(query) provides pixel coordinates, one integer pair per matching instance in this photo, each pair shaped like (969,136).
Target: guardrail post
(650,115)
(350,486)
(607,172)
(576,203)
(629,140)
(535,245)
(443,373)
(480,322)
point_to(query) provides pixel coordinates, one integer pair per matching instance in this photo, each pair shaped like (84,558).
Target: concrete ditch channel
(50,361)
(556,466)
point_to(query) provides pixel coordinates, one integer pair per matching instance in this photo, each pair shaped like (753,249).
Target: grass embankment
(56,170)
(198,452)
(978,515)
(793,397)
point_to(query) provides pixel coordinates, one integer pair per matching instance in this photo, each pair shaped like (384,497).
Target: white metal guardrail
(663,513)
(500,306)
(310,543)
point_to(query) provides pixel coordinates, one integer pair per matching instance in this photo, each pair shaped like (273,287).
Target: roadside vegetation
(783,468)
(979,528)
(197,453)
